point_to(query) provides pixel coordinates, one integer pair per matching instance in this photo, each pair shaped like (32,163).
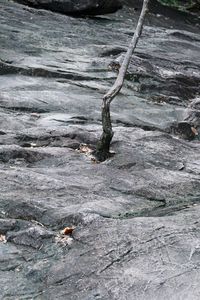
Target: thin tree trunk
(103,146)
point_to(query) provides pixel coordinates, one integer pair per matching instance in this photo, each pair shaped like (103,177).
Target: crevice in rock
(159,211)
(117,260)
(25,109)
(8,69)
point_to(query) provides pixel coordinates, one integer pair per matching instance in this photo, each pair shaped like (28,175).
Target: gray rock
(134,258)
(136,215)
(7,225)
(192,113)
(32,237)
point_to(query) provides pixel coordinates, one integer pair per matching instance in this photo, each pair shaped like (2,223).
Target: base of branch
(102,155)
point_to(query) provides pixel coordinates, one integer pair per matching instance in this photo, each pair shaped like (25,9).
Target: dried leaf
(67,230)
(84,148)
(194,131)
(94,160)
(2,239)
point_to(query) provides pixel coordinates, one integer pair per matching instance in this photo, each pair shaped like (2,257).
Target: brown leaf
(2,238)
(194,131)
(84,148)
(67,230)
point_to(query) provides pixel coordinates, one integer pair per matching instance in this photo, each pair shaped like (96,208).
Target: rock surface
(76,7)
(136,216)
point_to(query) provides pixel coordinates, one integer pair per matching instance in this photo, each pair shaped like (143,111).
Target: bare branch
(103,146)
(115,89)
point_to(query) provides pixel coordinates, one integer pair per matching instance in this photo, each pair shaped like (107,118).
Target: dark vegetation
(190,5)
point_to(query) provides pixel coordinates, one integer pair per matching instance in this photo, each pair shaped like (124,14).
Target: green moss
(170,2)
(180,3)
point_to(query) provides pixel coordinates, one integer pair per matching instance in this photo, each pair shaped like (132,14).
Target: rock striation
(135,217)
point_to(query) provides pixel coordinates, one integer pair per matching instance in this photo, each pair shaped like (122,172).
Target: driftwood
(103,146)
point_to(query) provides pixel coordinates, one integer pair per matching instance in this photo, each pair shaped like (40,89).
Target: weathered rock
(13,152)
(175,83)
(136,216)
(184,130)
(76,7)
(31,237)
(139,258)
(7,225)
(192,113)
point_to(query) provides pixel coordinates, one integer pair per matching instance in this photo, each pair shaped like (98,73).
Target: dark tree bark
(103,146)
